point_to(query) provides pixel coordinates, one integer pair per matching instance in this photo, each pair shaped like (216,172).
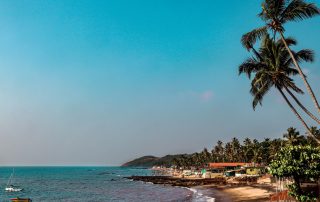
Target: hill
(149,161)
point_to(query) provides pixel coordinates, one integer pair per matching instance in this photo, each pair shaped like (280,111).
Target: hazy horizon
(104,82)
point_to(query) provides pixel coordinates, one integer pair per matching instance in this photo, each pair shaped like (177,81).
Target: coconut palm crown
(272,67)
(275,13)
(293,136)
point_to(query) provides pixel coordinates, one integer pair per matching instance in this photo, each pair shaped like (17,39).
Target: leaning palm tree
(271,67)
(275,13)
(282,59)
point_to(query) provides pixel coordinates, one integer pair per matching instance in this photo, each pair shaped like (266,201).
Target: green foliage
(271,67)
(249,151)
(293,137)
(302,163)
(305,196)
(233,151)
(149,161)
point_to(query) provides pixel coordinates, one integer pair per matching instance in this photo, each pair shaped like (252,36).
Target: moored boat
(21,199)
(12,188)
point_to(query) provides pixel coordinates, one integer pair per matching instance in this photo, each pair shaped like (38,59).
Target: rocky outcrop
(182,182)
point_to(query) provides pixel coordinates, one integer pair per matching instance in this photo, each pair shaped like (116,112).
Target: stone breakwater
(181,182)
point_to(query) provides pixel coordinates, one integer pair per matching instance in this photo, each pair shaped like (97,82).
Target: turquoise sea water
(88,184)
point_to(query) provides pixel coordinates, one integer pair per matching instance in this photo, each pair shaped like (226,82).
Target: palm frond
(299,10)
(272,68)
(272,8)
(289,40)
(249,39)
(305,55)
(249,66)
(290,84)
(291,71)
(259,93)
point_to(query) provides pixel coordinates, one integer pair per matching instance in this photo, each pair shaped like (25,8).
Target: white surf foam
(198,196)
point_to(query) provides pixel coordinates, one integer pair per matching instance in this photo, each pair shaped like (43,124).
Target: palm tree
(293,137)
(265,148)
(205,154)
(228,152)
(218,150)
(271,66)
(247,150)
(275,146)
(316,133)
(304,55)
(257,152)
(236,150)
(275,13)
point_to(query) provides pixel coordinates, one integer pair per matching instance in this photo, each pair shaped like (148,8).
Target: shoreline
(217,189)
(179,182)
(211,193)
(240,193)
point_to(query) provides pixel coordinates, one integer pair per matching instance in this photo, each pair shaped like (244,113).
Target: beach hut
(240,172)
(230,173)
(226,166)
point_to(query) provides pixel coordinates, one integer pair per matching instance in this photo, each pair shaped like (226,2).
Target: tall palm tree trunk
(298,116)
(309,89)
(302,107)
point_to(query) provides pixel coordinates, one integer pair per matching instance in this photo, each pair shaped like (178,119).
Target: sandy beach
(228,193)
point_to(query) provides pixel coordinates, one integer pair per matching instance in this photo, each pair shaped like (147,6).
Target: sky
(103,82)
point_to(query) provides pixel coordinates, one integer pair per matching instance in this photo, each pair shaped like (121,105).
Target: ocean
(89,184)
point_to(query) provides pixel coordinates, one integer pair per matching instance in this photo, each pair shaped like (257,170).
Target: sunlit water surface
(89,184)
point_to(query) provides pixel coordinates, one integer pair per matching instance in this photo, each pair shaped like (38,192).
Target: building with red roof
(225,165)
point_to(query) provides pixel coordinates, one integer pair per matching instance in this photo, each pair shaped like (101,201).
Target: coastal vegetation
(250,150)
(149,161)
(262,152)
(301,163)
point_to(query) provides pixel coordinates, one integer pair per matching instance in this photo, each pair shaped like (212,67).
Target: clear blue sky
(102,82)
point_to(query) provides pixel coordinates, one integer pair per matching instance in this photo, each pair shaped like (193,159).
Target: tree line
(247,151)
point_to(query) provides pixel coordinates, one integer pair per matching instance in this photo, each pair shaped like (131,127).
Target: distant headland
(150,161)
